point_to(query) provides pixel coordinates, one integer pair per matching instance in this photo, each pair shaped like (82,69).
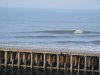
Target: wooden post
(76,59)
(85,65)
(44,65)
(65,65)
(92,66)
(49,59)
(0,60)
(71,65)
(89,58)
(57,62)
(79,66)
(5,59)
(18,60)
(12,60)
(50,62)
(25,65)
(31,60)
(99,65)
(37,58)
(24,62)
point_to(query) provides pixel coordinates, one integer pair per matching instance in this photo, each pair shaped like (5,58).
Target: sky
(59,4)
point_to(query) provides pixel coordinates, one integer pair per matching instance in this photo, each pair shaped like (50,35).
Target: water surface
(50,28)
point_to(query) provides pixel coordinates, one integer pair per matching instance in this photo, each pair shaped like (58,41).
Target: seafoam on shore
(60,48)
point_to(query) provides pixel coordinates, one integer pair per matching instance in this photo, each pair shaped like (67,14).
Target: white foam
(78,31)
(84,48)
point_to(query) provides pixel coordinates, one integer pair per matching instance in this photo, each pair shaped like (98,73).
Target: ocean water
(49,28)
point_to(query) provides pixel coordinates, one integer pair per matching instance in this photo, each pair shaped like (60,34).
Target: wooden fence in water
(74,63)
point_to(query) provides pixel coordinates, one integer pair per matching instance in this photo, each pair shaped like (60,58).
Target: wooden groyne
(72,62)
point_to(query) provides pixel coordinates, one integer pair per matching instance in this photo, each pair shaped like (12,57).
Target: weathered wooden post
(31,60)
(92,65)
(24,62)
(0,60)
(18,60)
(57,62)
(78,65)
(85,65)
(49,59)
(71,65)
(88,61)
(76,59)
(44,65)
(51,62)
(12,60)
(35,58)
(5,59)
(38,60)
(65,65)
(99,65)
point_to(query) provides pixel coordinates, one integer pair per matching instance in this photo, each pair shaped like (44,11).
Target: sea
(50,28)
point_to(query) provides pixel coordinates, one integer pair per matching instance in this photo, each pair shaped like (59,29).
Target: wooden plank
(44,65)
(0,60)
(99,65)
(92,66)
(85,65)
(12,63)
(79,66)
(18,60)
(5,59)
(65,65)
(31,60)
(51,62)
(71,65)
(25,61)
(57,62)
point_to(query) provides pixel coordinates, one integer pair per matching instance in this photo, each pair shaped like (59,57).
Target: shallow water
(41,72)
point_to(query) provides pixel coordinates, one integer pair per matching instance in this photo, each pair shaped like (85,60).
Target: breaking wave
(64,32)
(73,31)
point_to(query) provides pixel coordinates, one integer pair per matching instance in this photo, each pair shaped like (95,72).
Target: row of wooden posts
(45,60)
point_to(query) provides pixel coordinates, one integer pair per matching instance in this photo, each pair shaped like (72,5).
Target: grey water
(50,28)
(41,72)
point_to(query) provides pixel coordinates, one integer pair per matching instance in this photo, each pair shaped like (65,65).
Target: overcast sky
(64,4)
